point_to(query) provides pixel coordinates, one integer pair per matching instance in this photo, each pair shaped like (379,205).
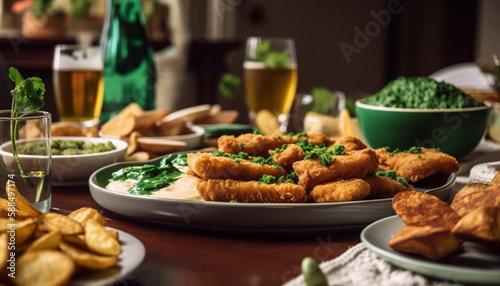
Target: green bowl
(455,131)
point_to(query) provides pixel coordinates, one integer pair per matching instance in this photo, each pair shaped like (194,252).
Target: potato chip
(113,233)
(44,267)
(481,225)
(140,156)
(161,146)
(47,241)
(121,125)
(4,251)
(489,196)
(77,240)
(431,242)
(82,215)
(90,132)
(66,129)
(7,209)
(469,189)
(57,222)
(21,203)
(148,119)
(133,146)
(23,229)
(496,179)
(421,209)
(169,128)
(87,259)
(98,240)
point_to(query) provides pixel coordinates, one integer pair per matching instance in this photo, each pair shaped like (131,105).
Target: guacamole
(76,147)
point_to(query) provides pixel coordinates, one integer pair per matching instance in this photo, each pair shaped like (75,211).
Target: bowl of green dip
(422,112)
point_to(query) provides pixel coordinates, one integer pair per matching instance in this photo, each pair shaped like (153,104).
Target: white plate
(133,253)
(476,265)
(246,217)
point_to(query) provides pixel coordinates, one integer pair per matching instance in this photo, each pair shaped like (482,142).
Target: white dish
(243,217)
(133,253)
(476,265)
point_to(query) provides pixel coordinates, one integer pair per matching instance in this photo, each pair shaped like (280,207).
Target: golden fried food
(417,164)
(385,187)
(422,209)
(496,179)
(260,145)
(340,191)
(291,154)
(482,225)
(489,197)
(208,166)
(350,143)
(355,164)
(431,242)
(469,189)
(251,191)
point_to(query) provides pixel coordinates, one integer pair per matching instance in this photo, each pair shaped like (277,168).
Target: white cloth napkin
(359,266)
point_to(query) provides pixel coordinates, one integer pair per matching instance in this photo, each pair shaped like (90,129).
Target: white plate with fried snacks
(477,264)
(133,253)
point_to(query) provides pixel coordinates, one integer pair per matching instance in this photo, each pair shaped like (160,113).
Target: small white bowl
(76,169)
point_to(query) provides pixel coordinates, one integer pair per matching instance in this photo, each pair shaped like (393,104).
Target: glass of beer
(270,76)
(78,84)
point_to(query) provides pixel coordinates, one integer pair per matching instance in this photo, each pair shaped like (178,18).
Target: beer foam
(90,59)
(261,65)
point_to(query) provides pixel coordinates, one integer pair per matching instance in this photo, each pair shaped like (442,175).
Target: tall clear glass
(25,158)
(78,84)
(270,78)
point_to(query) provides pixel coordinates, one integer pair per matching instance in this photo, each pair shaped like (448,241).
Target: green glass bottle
(128,66)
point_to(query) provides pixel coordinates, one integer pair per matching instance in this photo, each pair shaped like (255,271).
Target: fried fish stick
(291,154)
(251,191)
(340,191)
(350,143)
(419,165)
(260,145)
(385,187)
(208,166)
(356,164)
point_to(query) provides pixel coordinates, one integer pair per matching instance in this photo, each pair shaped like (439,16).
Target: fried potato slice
(147,119)
(431,242)
(87,259)
(140,156)
(65,129)
(84,214)
(482,225)
(44,267)
(161,146)
(23,229)
(7,207)
(20,201)
(496,179)
(121,125)
(469,189)
(48,241)
(100,241)
(4,251)
(422,209)
(490,196)
(57,222)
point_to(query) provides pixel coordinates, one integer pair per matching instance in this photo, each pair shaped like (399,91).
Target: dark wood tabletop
(183,256)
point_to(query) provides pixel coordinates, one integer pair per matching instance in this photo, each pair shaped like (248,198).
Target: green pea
(313,275)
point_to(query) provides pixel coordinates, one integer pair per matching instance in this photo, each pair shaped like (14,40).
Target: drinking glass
(25,158)
(270,76)
(78,84)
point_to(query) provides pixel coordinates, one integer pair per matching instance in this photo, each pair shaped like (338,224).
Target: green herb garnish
(27,97)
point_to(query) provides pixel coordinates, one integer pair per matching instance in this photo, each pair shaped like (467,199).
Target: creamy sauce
(183,189)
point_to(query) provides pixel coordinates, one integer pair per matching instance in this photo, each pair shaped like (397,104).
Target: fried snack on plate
(496,179)
(489,197)
(209,166)
(286,157)
(44,267)
(417,163)
(84,214)
(251,191)
(469,189)
(86,258)
(432,242)
(481,225)
(385,187)
(340,191)
(355,164)
(421,209)
(350,143)
(124,122)
(66,129)
(99,241)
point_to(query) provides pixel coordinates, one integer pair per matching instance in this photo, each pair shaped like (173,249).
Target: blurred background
(351,46)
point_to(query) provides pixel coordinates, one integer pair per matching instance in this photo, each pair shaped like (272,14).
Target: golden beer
(270,88)
(79,94)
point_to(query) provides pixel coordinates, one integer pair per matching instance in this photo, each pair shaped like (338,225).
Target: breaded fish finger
(251,191)
(208,166)
(291,154)
(350,143)
(385,187)
(356,164)
(340,191)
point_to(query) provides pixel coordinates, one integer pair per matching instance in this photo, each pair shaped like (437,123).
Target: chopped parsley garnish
(241,155)
(325,155)
(391,174)
(279,150)
(269,179)
(412,150)
(258,132)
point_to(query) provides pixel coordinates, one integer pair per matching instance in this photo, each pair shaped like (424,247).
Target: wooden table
(192,257)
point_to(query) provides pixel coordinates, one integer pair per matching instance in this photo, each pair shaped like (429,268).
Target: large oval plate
(244,217)
(476,264)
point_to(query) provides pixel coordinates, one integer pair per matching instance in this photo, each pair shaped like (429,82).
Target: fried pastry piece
(340,191)
(431,242)
(251,191)
(385,187)
(260,145)
(208,166)
(419,165)
(350,143)
(355,164)
(291,154)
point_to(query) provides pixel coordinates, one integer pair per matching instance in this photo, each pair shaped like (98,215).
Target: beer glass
(78,84)
(270,77)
